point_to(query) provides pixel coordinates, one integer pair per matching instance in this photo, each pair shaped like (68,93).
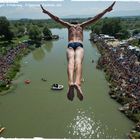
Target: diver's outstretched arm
(94,19)
(57,19)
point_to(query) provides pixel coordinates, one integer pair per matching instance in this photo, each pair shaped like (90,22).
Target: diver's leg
(70,71)
(79,55)
(70,66)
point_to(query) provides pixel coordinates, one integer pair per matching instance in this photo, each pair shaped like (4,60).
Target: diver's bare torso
(75,33)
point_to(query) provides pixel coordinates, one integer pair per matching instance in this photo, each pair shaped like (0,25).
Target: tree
(111,26)
(124,34)
(96,29)
(5,31)
(21,30)
(135,32)
(47,33)
(35,33)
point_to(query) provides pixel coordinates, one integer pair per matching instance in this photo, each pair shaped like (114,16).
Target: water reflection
(84,125)
(48,45)
(92,44)
(96,52)
(38,54)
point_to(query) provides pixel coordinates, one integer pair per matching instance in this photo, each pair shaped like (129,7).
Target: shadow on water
(48,45)
(38,54)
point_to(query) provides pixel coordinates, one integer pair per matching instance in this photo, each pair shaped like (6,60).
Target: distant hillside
(71,17)
(86,16)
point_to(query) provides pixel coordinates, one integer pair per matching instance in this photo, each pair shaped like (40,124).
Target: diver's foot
(70,94)
(79,92)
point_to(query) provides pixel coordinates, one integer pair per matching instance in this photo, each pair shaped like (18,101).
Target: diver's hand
(47,12)
(110,8)
(44,11)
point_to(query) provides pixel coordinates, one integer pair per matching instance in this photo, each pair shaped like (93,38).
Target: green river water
(34,110)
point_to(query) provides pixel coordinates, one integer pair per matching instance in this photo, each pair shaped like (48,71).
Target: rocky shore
(122,70)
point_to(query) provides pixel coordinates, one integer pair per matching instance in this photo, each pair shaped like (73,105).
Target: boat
(27,81)
(57,87)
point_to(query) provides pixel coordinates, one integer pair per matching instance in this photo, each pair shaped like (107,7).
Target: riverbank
(10,62)
(122,68)
(10,66)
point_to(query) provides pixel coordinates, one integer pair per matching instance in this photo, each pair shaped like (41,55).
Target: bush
(47,33)
(35,33)
(5,30)
(136,31)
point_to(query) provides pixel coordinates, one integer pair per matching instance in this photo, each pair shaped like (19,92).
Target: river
(34,110)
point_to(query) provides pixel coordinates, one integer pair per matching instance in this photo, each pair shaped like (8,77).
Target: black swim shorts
(74,45)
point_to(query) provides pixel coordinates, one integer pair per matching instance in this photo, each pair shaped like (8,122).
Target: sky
(67,9)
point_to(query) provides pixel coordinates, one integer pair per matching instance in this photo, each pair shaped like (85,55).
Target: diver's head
(74,22)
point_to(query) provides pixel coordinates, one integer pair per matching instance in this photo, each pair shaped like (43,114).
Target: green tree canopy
(96,29)
(136,31)
(21,30)
(47,32)
(111,26)
(35,33)
(5,31)
(123,34)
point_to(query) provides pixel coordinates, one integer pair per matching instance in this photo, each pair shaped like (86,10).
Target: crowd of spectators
(122,67)
(7,61)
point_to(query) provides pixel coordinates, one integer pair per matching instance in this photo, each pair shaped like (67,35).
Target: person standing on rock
(75,51)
